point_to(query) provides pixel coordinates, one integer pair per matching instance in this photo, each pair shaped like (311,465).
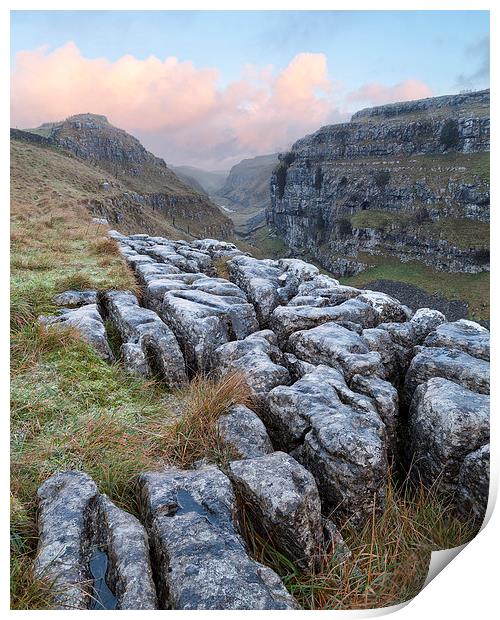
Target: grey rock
(216,249)
(394,357)
(343,446)
(75,521)
(308,300)
(244,433)
(286,320)
(474,484)
(142,331)
(202,321)
(285,504)
(73,299)
(87,321)
(426,320)
(258,358)
(386,400)
(297,368)
(303,271)
(64,503)
(335,346)
(446,423)
(452,364)
(388,308)
(320,285)
(260,281)
(200,558)
(464,335)
(125,541)
(158,284)
(403,334)
(147,272)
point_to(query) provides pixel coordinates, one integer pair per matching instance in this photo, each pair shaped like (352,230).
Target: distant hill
(246,191)
(205,180)
(131,174)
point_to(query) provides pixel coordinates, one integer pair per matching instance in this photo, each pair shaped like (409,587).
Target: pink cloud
(376,93)
(179,111)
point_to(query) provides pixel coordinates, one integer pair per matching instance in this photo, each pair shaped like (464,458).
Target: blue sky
(434,46)
(356,58)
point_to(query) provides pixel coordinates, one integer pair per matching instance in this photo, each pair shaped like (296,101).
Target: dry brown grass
(194,436)
(221,268)
(105,246)
(390,554)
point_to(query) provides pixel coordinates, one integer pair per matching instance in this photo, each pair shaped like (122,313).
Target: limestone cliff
(408,179)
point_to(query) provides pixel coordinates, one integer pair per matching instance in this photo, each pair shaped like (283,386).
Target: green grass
(69,408)
(472,287)
(264,243)
(458,232)
(381,220)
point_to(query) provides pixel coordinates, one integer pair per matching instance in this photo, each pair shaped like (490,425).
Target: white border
(468,586)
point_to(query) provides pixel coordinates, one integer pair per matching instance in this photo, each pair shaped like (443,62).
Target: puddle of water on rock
(187,503)
(102,597)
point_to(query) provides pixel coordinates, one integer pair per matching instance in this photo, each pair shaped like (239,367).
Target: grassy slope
(47,178)
(471,287)
(72,410)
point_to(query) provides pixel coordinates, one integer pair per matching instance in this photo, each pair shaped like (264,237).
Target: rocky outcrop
(87,321)
(343,445)
(200,558)
(462,368)
(409,180)
(447,385)
(284,500)
(464,335)
(137,177)
(93,554)
(124,540)
(242,431)
(347,384)
(148,346)
(259,358)
(446,423)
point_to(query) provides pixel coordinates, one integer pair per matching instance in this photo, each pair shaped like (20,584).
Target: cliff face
(409,180)
(148,180)
(246,191)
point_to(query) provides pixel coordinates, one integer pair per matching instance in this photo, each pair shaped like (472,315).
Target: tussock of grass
(221,268)
(28,591)
(195,435)
(74,281)
(389,555)
(106,246)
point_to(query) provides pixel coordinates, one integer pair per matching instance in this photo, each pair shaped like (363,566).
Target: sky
(209,88)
